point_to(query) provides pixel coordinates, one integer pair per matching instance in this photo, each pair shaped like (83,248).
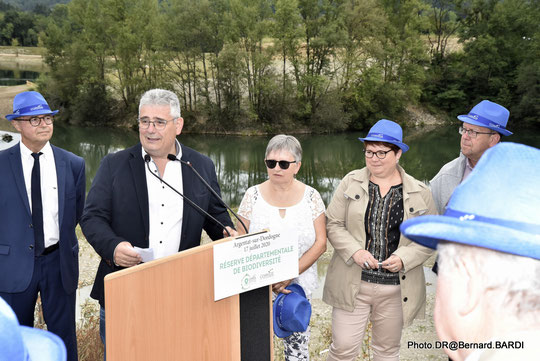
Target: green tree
(249,24)
(444,23)
(498,43)
(359,79)
(97,46)
(287,31)
(313,67)
(18,25)
(76,55)
(386,56)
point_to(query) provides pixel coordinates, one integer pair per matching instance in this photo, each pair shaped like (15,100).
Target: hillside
(29,5)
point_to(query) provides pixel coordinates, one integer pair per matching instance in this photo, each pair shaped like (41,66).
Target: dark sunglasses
(283,164)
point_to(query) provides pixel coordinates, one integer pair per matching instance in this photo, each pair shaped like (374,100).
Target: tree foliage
(16,25)
(285,65)
(499,60)
(34,5)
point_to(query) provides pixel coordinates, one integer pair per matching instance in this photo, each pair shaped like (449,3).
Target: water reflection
(239,160)
(17,77)
(93,144)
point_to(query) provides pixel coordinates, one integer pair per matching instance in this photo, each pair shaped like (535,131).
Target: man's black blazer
(116,208)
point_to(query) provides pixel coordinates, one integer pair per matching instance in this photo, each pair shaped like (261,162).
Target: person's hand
(125,255)
(280,287)
(231,231)
(393,264)
(365,259)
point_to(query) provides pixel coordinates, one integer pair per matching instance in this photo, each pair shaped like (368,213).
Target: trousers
(376,302)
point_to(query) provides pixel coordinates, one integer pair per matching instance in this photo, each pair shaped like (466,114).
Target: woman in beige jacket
(375,273)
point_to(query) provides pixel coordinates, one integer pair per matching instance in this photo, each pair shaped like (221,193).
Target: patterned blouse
(383,217)
(298,217)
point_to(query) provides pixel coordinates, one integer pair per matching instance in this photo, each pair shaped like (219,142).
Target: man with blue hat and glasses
(488,290)
(42,191)
(482,129)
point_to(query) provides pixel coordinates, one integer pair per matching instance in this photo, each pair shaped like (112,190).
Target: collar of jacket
(410,185)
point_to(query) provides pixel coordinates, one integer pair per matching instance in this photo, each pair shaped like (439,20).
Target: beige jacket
(346,233)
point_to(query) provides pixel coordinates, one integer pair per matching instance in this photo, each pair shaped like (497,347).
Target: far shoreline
(417,118)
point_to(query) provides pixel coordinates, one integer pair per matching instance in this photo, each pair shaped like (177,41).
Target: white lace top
(262,215)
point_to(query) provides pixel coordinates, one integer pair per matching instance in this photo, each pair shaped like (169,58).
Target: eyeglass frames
(472,133)
(381,154)
(36,121)
(283,164)
(159,124)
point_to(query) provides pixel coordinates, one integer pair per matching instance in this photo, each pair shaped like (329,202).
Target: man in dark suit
(42,190)
(129,207)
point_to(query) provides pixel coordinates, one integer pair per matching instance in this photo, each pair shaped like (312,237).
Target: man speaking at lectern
(133,201)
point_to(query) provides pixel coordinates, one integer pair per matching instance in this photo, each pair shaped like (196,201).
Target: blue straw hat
(489,115)
(386,131)
(292,311)
(496,207)
(29,103)
(21,343)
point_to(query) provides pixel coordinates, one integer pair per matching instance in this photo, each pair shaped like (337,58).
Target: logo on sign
(246,281)
(268,274)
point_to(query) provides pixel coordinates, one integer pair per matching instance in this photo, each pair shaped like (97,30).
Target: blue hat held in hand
(292,311)
(496,207)
(21,343)
(387,131)
(29,103)
(489,115)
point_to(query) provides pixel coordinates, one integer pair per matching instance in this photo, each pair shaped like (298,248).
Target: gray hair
(285,142)
(161,97)
(515,279)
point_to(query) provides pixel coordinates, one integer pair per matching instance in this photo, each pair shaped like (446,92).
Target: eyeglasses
(381,154)
(472,133)
(36,121)
(283,164)
(159,124)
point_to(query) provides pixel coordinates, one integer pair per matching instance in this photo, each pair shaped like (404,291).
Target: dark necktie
(37,207)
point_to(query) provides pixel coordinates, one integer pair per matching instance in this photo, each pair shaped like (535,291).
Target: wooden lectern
(165,310)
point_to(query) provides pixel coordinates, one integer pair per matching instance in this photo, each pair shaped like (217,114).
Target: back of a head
(21,343)
(11,341)
(510,283)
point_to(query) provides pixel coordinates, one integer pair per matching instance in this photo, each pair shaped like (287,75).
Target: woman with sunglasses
(375,273)
(284,203)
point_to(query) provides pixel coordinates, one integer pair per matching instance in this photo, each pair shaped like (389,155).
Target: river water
(239,159)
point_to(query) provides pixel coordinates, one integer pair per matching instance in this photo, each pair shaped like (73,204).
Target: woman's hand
(393,264)
(280,287)
(365,259)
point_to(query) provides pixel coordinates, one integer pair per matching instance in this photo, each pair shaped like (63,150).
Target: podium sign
(253,261)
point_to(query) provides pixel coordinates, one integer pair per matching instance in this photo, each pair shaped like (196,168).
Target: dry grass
(90,347)
(89,343)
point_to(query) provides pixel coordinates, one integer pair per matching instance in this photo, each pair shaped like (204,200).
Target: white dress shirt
(49,189)
(165,207)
